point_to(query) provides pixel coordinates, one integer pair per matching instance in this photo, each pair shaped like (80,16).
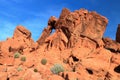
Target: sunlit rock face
(70,26)
(74,41)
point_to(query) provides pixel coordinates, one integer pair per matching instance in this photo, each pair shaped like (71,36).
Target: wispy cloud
(4,2)
(35,26)
(16,1)
(36,21)
(34,14)
(7,29)
(7,14)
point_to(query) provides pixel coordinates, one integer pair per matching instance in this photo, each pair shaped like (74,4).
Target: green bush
(35,70)
(23,58)
(44,61)
(57,68)
(19,68)
(17,55)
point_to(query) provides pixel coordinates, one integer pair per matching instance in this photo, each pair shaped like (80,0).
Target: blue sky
(34,14)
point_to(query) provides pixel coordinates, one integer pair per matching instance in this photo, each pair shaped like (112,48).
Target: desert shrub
(44,61)
(23,58)
(57,68)
(21,79)
(17,55)
(35,70)
(19,68)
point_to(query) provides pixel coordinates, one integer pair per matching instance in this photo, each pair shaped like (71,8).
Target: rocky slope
(77,48)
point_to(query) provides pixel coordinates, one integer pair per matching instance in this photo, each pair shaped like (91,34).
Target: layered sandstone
(71,25)
(77,43)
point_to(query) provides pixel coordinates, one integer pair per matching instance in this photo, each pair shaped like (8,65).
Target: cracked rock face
(111,45)
(74,41)
(20,31)
(72,25)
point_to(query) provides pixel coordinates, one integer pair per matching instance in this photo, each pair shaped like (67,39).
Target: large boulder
(21,31)
(20,42)
(80,23)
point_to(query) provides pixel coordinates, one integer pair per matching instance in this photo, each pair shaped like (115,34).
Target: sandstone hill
(76,50)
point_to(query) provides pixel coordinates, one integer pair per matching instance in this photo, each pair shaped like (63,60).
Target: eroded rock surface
(76,43)
(75,24)
(111,45)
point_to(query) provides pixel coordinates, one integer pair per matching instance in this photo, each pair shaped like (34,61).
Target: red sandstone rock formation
(118,34)
(73,25)
(111,45)
(77,44)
